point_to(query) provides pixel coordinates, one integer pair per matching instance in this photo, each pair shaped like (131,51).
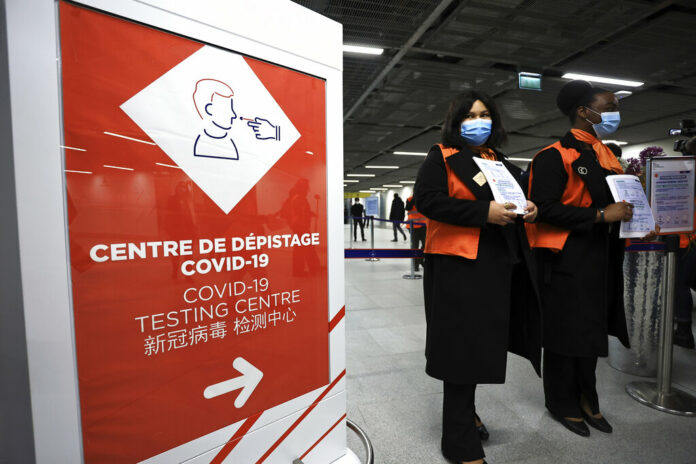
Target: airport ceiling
(434,49)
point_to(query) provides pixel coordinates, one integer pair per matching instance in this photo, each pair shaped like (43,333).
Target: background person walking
(397,213)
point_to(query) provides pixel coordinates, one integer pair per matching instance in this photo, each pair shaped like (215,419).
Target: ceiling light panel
(602,79)
(410,153)
(362,49)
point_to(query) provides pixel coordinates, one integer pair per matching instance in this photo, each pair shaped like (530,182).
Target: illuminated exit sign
(529,81)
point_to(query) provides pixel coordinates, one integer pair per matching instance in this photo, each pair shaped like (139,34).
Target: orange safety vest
(686,238)
(448,239)
(415,216)
(543,235)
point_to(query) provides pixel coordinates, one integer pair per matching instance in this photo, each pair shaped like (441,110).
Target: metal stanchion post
(413,274)
(350,230)
(661,395)
(372,240)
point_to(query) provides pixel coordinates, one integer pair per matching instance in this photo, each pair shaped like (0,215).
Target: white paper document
(625,187)
(503,185)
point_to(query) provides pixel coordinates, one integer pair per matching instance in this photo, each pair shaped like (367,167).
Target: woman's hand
(500,214)
(621,211)
(531,212)
(652,235)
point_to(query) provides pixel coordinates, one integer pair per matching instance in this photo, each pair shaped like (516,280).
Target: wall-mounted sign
(372,206)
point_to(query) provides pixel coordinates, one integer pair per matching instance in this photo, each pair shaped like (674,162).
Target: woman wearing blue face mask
(580,254)
(480,297)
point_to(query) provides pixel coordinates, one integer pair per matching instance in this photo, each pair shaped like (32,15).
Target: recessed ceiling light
(407,181)
(366,191)
(410,153)
(519,159)
(393,185)
(360,175)
(350,180)
(623,94)
(362,49)
(377,188)
(617,142)
(372,166)
(602,79)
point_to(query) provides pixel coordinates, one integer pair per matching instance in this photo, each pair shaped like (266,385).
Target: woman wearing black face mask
(480,301)
(580,254)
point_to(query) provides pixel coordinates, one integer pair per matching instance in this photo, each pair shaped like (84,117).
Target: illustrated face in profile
(214,103)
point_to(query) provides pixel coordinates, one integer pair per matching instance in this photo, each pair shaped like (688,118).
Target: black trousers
(460,439)
(397,226)
(567,381)
(686,275)
(356,223)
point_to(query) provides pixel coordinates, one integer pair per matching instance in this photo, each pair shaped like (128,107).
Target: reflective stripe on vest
(543,235)
(448,239)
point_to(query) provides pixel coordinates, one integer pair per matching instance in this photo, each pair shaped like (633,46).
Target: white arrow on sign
(248,381)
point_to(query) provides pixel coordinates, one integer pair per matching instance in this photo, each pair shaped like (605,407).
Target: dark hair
(458,111)
(576,94)
(615,149)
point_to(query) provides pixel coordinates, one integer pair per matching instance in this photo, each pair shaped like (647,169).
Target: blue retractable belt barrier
(636,245)
(383,253)
(367,218)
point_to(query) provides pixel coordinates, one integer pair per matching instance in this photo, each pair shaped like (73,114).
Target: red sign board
(196,189)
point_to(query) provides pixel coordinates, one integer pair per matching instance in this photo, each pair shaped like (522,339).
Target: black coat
(397,212)
(357,209)
(476,310)
(582,285)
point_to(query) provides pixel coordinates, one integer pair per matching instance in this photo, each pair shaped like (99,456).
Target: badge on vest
(480,179)
(582,170)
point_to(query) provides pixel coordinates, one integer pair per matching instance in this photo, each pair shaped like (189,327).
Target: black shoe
(482,430)
(600,424)
(395,240)
(683,336)
(576,427)
(364,240)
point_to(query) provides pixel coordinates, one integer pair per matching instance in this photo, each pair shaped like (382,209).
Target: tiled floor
(399,406)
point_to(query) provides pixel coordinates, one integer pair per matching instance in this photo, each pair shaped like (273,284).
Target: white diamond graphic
(215,119)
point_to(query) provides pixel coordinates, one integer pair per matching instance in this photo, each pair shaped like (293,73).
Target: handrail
(370,459)
(369,450)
